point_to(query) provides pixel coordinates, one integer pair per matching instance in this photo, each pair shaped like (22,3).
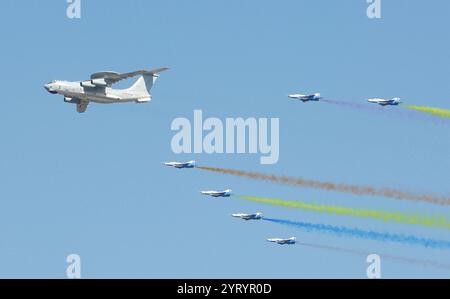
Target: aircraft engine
(87,84)
(99,82)
(71,100)
(144,100)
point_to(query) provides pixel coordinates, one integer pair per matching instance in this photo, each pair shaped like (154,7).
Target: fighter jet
(246,217)
(225,193)
(179,165)
(306,98)
(99,88)
(383,102)
(289,241)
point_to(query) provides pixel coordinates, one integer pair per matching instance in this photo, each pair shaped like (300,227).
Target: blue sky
(93,183)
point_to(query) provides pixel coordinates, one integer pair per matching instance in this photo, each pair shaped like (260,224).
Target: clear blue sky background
(93,183)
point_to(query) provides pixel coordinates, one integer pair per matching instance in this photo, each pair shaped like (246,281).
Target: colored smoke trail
(364,234)
(434,111)
(393,111)
(346,188)
(419,262)
(349,104)
(423,220)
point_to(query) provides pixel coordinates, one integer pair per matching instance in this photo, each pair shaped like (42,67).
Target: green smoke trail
(435,111)
(398,217)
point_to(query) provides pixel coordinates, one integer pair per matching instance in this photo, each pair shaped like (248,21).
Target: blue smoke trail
(362,234)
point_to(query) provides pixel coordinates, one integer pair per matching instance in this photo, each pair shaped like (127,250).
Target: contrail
(434,111)
(419,262)
(364,234)
(414,219)
(347,188)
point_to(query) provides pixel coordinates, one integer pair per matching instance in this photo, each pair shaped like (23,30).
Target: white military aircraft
(383,102)
(306,98)
(98,88)
(256,216)
(179,165)
(289,241)
(225,193)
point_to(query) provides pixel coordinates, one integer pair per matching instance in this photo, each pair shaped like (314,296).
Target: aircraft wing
(113,77)
(238,215)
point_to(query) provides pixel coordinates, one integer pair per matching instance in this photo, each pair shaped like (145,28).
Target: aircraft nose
(48,87)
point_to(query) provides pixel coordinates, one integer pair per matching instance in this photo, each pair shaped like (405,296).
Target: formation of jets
(317,97)
(228,193)
(98,88)
(191,164)
(225,193)
(258,216)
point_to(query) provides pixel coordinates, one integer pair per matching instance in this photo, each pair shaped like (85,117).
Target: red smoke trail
(330,186)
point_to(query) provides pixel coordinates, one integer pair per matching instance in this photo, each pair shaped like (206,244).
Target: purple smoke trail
(419,262)
(389,111)
(349,104)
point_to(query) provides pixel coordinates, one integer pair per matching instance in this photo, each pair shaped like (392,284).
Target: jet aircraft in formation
(179,165)
(289,241)
(225,193)
(255,216)
(383,102)
(306,98)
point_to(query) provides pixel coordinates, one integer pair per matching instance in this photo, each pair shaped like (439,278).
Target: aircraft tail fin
(146,81)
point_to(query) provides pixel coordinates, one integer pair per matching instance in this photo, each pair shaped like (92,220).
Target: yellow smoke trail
(435,111)
(357,190)
(415,219)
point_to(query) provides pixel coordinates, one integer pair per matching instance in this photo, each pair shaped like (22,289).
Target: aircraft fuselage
(97,94)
